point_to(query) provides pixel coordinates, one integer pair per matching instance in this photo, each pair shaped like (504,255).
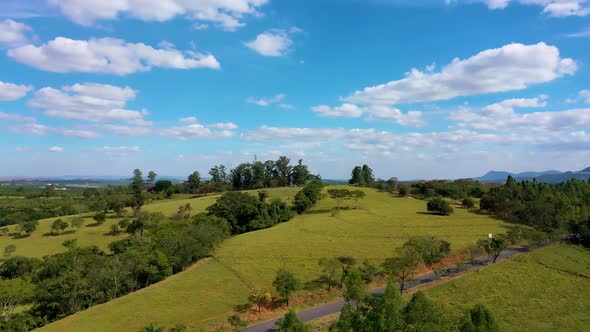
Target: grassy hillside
(41,243)
(381,224)
(546,290)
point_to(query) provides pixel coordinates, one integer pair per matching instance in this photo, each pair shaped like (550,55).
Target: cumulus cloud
(511,67)
(196,131)
(88,102)
(55,149)
(503,117)
(106,56)
(189,119)
(14,33)
(371,112)
(555,8)
(276,100)
(10,91)
(118,149)
(275,42)
(224,125)
(128,131)
(226,14)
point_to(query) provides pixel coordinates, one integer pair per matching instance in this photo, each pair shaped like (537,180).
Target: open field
(40,243)
(372,232)
(542,291)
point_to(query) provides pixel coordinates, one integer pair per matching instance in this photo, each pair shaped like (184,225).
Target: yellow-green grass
(381,224)
(40,243)
(542,291)
(204,291)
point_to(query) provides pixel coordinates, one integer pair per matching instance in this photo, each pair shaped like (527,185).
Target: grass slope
(381,224)
(40,243)
(540,291)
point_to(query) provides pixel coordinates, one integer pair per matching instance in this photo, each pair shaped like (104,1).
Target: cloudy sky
(444,89)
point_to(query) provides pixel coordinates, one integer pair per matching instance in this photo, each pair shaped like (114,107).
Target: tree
(9,250)
(467,203)
(136,185)
(115,229)
(356,195)
(493,247)
(403,191)
(260,299)
(355,286)
(368,175)
(152,177)
(29,226)
(71,243)
(58,226)
(301,202)
(238,208)
(291,323)
(346,264)
(100,218)
(403,267)
(422,314)
(164,186)
(300,174)
(14,293)
(439,206)
(357,176)
(188,208)
(286,284)
(330,268)
(479,319)
(431,249)
(283,171)
(339,195)
(152,327)
(77,222)
(193,182)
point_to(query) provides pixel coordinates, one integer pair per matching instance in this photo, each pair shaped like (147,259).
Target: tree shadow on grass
(93,225)
(433,214)
(59,234)
(320,283)
(318,211)
(111,233)
(243,307)
(20,236)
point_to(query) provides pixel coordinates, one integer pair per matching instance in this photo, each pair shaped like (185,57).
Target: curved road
(332,308)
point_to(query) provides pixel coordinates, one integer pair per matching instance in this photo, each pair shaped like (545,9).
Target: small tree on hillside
(291,323)
(356,195)
(355,286)
(439,206)
(468,203)
(403,267)
(9,250)
(403,191)
(100,218)
(479,319)
(77,222)
(339,195)
(29,226)
(346,264)
(58,226)
(260,299)
(301,203)
(286,284)
(493,247)
(330,267)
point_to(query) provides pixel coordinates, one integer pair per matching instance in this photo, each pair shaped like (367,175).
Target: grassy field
(381,224)
(41,243)
(542,291)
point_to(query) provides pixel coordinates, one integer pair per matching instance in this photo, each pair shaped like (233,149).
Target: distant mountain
(551,176)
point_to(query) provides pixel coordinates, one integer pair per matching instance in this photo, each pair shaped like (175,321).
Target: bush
(467,203)
(439,206)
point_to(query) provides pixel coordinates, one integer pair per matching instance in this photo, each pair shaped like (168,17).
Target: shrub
(438,205)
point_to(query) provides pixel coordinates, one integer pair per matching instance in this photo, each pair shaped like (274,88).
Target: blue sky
(439,89)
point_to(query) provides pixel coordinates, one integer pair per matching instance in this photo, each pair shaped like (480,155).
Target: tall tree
(357,176)
(152,177)
(479,319)
(283,171)
(330,268)
(403,267)
(136,186)
(291,323)
(286,283)
(300,174)
(368,174)
(355,286)
(357,195)
(14,293)
(193,182)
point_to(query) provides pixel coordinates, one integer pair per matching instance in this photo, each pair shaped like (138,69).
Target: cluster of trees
(362,176)
(340,195)
(246,213)
(457,189)
(308,197)
(547,207)
(62,284)
(390,313)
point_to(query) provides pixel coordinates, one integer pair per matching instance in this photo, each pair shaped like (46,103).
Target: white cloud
(118,149)
(371,112)
(196,131)
(265,102)
(224,125)
(14,33)
(10,91)
(128,131)
(16,117)
(106,56)
(227,14)
(189,119)
(503,117)
(511,67)
(55,149)
(580,34)
(585,95)
(275,42)
(555,8)
(88,102)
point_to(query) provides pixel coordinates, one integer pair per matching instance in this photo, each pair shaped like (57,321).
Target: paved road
(332,308)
